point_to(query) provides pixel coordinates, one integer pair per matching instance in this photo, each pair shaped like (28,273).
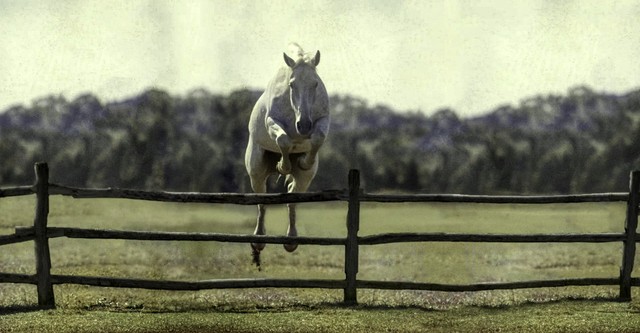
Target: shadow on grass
(7,310)
(432,308)
(248,308)
(322,306)
(568,299)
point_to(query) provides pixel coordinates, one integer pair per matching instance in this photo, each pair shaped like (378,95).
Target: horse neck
(279,85)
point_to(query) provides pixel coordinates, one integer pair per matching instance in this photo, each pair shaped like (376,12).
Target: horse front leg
(298,182)
(291,231)
(306,161)
(282,140)
(284,165)
(320,130)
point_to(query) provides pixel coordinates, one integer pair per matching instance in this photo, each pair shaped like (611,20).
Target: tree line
(584,141)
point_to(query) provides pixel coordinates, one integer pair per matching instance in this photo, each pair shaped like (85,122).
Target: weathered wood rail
(40,233)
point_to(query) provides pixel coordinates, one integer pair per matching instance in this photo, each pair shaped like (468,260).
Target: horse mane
(296,53)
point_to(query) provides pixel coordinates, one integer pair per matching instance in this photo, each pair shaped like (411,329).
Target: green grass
(92,309)
(562,316)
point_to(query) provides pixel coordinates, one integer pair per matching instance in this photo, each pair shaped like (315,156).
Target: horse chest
(298,146)
(301,146)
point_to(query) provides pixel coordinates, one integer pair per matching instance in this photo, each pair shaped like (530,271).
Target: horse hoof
(255,258)
(258,247)
(290,247)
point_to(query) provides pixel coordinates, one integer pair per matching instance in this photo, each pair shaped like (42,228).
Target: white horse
(288,125)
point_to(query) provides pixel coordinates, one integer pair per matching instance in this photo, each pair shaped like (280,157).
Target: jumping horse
(288,125)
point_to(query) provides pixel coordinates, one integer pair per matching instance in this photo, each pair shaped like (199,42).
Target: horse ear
(316,59)
(290,62)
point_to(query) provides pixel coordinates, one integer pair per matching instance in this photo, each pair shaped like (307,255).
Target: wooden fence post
(351,248)
(629,247)
(46,298)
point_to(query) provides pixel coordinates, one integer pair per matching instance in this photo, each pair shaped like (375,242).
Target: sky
(470,56)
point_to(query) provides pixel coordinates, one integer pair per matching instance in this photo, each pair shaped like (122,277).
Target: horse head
(302,90)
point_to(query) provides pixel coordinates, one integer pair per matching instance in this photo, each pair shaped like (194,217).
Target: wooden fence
(41,234)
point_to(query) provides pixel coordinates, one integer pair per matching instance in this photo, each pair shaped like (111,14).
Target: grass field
(91,309)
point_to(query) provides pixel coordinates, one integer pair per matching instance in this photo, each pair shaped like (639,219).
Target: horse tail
(290,182)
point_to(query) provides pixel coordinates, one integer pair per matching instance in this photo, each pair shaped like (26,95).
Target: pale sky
(411,55)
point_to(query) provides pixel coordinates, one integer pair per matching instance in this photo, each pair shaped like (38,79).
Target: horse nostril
(303,127)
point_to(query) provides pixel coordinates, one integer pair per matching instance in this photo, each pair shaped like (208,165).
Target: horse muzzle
(304,126)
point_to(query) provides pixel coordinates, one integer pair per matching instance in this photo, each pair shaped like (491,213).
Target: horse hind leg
(260,229)
(256,248)
(291,230)
(299,181)
(259,185)
(258,173)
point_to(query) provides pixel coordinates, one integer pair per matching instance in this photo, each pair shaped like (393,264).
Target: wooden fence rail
(40,233)
(497,199)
